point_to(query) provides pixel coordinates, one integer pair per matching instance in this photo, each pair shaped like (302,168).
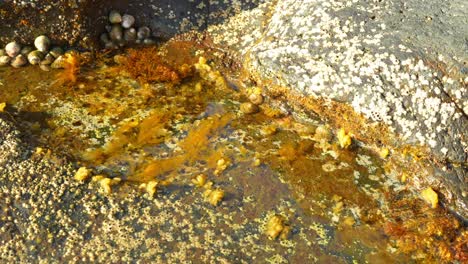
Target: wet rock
(26,50)
(56,52)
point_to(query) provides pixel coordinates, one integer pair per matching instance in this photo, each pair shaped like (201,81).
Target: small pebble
(127,21)
(58,63)
(149,41)
(56,52)
(35,57)
(104,38)
(44,67)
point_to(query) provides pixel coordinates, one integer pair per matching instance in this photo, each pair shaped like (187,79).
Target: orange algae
(146,65)
(71,69)
(133,134)
(426,233)
(195,147)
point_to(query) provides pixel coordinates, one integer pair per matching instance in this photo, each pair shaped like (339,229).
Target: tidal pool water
(205,175)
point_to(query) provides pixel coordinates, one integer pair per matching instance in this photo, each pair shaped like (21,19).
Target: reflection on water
(288,188)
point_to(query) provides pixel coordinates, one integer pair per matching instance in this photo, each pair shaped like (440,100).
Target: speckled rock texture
(79,22)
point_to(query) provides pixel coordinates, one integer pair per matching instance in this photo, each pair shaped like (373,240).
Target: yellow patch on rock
(430,196)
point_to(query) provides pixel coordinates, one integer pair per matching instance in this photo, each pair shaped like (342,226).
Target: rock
(59,63)
(26,50)
(56,52)
(387,65)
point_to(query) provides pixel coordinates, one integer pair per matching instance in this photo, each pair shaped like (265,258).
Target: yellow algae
(82,173)
(430,196)
(214,197)
(2,106)
(71,69)
(105,183)
(343,138)
(276,226)
(404,177)
(195,146)
(150,187)
(221,165)
(199,180)
(384,152)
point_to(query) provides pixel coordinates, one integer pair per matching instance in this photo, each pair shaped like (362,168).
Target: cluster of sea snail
(41,54)
(121,32)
